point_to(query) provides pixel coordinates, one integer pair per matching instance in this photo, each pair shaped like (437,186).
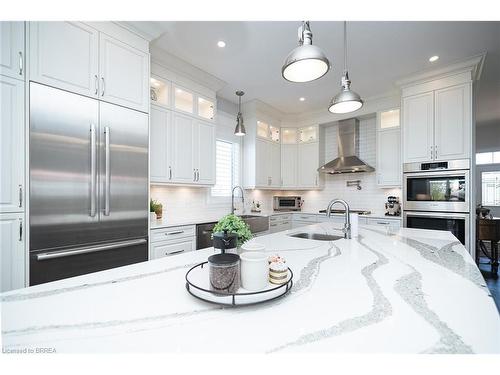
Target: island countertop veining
(411,291)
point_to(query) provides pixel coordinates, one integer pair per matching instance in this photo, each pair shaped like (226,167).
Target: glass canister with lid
(224,272)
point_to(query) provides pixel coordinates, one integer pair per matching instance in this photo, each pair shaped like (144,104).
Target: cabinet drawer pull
(20,196)
(383,223)
(175,252)
(286,222)
(274,225)
(172,233)
(21,63)
(96,84)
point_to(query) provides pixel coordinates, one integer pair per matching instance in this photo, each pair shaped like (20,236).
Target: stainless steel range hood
(348,144)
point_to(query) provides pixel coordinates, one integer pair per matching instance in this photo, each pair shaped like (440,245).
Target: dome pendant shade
(346,100)
(306,62)
(240,127)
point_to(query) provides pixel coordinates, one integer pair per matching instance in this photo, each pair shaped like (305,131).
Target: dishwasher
(204,235)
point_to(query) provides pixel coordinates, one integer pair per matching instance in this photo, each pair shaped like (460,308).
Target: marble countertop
(410,291)
(204,217)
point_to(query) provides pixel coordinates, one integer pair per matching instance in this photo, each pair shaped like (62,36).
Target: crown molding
(183,68)
(146,30)
(473,64)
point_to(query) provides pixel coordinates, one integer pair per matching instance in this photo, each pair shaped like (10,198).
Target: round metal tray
(197,284)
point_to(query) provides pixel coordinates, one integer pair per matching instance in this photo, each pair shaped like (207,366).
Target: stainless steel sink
(256,223)
(317,236)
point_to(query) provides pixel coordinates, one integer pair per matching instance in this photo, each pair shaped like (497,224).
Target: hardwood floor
(493,284)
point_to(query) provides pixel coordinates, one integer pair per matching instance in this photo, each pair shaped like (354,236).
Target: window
(488,158)
(226,168)
(490,182)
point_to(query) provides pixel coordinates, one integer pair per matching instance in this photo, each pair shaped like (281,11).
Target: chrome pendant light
(346,100)
(306,62)
(240,128)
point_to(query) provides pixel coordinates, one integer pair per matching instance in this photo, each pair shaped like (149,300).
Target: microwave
(287,203)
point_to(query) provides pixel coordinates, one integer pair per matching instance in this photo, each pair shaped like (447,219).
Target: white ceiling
(379,54)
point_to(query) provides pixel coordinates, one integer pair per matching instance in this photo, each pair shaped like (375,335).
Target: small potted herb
(234,224)
(155,209)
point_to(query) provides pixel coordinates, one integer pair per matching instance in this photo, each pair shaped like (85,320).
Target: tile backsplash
(193,201)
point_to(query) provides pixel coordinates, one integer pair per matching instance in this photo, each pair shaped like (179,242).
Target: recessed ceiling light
(302,99)
(433,58)
(221,44)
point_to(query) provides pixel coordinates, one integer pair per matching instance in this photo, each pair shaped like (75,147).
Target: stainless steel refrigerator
(88,185)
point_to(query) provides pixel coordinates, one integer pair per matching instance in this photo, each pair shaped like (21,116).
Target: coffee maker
(392,206)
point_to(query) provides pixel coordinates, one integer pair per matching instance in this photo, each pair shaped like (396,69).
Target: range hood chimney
(348,160)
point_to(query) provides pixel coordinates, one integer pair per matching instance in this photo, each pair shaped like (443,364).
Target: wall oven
(456,223)
(287,203)
(437,186)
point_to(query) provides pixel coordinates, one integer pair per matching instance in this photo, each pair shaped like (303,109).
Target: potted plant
(234,224)
(155,209)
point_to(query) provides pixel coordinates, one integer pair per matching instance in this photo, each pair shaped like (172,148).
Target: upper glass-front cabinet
(160,92)
(389,119)
(206,108)
(275,133)
(289,135)
(308,134)
(262,129)
(183,100)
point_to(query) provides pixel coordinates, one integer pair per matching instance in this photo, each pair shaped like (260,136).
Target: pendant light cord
(345,46)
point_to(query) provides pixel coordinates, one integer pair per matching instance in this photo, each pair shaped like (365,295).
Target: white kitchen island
(411,291)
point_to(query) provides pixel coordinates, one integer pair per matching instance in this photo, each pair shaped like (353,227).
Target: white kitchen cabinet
(452,122)
(308,134)
(124,74)
(308,163)
(206,108)
(160,150)
(12,56)
(390,224)
(204,150)
(437,125)
(289,165)
(274,164)
(183,165)
(278,223)
(12,190)
(267,164)
(160,250)
(12,252)
(418,128)
(65,55)
(388,149)
(183,99)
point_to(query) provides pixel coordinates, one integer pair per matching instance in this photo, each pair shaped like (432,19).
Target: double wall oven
(436,196)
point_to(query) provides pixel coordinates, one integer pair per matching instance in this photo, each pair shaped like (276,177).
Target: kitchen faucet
(232,198)
(347,223)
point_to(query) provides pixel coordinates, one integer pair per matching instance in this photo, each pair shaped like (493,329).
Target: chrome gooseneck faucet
(232,198)
(347,223)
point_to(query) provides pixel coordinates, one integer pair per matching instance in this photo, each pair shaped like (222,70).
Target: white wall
(370,197)
(188,202)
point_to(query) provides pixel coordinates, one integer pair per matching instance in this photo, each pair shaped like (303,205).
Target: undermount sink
(317,236)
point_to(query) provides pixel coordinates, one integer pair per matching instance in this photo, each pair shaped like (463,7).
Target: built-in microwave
(287,203)
(437,186)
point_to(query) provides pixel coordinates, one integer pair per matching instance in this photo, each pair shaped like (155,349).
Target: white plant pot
(152,216)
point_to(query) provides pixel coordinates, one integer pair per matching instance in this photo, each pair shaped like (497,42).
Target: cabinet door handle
(20,230)
(197,175)
(96,84)
(172,233)
(436,152)
(20,196)
(169,173)
(194,174)
(21,63)
(103,86)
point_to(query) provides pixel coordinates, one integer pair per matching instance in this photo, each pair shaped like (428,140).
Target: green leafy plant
(234,224)
(154,205)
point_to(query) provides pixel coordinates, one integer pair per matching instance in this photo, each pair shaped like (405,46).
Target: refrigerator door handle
(107,177)
(93,170)
(89,249)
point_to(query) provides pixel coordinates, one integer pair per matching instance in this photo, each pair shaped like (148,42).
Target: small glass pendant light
(240,128)
(346,100)
(306,62)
